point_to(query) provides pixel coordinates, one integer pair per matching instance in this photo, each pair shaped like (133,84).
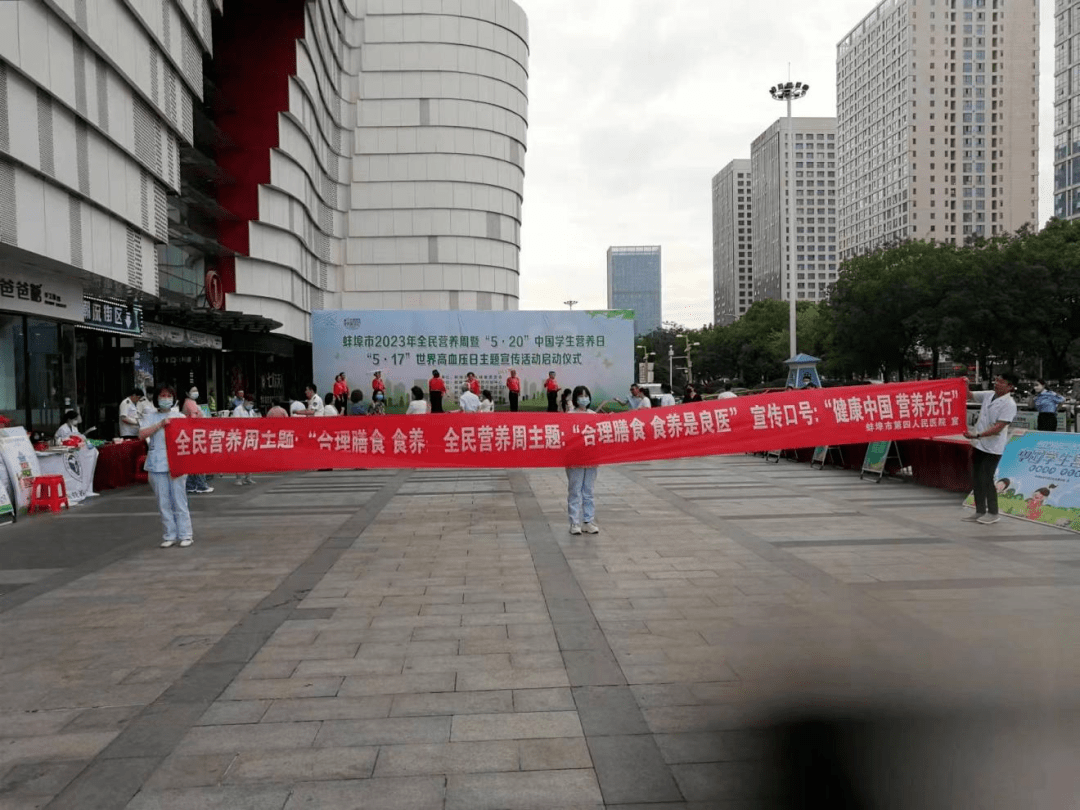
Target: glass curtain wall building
(634,282)
(733,264)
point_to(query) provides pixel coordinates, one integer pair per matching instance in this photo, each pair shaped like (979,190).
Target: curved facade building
(438,169)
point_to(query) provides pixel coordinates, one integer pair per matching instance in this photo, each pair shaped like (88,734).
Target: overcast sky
(634,105)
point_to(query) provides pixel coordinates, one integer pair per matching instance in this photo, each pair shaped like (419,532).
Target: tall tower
(733,265)
(634,282)
(937,121)
(1066,106)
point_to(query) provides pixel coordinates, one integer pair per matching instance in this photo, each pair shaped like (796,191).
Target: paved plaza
(436,639)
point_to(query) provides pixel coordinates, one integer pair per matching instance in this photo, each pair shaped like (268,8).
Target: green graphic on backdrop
(1038,479)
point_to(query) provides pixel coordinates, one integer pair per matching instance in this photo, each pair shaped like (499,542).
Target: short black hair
(312,387)
(417,392)
(137,392)
(1011,377)
(434,372)
(69,415)
(665,388)
(328,397)
(357,395)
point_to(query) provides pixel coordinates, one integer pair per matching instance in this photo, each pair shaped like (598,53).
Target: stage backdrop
(593,348)
(1038,478)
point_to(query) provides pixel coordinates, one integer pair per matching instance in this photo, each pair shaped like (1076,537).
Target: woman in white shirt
(70,427)
(487,404)
(245,410)
(419,404)
(580,481)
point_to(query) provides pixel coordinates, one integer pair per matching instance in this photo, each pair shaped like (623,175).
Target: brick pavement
(435,639)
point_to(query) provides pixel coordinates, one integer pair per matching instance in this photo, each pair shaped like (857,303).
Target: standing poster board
(820,456)
(21,463)
(877,456)
(7,509)
(1038,479)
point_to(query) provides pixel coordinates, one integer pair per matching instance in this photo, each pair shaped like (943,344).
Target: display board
(1038,479)
(592,348)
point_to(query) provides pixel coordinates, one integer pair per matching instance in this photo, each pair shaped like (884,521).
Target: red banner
(802,418)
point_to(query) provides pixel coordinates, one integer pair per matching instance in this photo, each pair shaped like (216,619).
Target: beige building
(815,209)
(733,265)
(937,122)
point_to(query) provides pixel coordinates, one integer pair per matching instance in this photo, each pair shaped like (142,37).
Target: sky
(634,106)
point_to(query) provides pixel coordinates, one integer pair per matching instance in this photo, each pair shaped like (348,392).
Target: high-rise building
(1067,109)
(633,282)
(815,208)
(937,121)
(733,265)
(182,182)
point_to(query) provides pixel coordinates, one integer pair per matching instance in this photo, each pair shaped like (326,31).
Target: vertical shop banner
(592,348)
(1038,479)
(801,418)
(21,463)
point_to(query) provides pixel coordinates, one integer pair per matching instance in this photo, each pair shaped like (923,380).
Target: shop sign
(39,294)
(177,336)
(112,316)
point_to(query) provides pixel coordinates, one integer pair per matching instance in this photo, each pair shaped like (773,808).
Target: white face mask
(164,403)
(193,394)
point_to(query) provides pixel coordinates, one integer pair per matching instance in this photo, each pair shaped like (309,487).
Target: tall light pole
(671,365)
(570,304)
(790,91)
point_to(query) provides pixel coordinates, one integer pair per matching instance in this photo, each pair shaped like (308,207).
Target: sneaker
(974,518)
(590,528)
(575,528)
(168,543)
(205,490)
(187,541)
(986,520)
(239,482)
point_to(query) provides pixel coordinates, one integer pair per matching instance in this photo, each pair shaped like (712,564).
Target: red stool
(48,493)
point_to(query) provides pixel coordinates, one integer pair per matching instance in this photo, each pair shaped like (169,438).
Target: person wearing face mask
(378,407)
(1046,403)
(245,411)
(171,492)
(580,480)
(196,483)
(70,428)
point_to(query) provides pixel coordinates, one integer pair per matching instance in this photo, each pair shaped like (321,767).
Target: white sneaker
(973,518)
(239,482)
(205,491)
(187,541)
(986,520)
(168,543)
(575,528)
(590,528)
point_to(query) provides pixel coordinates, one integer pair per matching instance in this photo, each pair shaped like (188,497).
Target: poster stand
(878,455)
(775,455)
(827,455)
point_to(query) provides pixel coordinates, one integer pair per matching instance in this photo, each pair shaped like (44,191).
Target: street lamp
(790,91)
(570,304)
(671,365)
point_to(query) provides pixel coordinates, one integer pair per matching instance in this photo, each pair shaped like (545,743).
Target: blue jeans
(172,503)
(579,494)
(195,482)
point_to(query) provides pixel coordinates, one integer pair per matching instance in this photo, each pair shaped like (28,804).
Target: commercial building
(815,211)
(634,282)
(732,227)
(183,182)
(1067,109)
(937,121)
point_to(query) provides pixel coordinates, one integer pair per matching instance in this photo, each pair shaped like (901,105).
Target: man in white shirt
(129,415)
(637,400)
(666,399)
(726,394)
(314,402)
(989,436)
(469,402)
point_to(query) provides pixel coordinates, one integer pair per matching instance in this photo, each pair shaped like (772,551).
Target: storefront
(38,314)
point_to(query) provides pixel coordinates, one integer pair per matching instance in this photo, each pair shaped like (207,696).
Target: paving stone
(718,781)
(197,770)
(516,726)
(327,708)
(360,685)
(536,790)
(606,710)
(77,745)
(457,663)
(384,731)
(255,737)
(329,667)
(543,700)
(232,712)
(511,679)
(447,758)
(555,754)
(40,778)
(405,793)
(110,718)
(631,768)
(303,765)
(436,703)
(229,797)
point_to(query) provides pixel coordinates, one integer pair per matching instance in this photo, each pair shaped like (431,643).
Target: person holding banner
(580,507)
(1046,403)
(997,410)
(171,492)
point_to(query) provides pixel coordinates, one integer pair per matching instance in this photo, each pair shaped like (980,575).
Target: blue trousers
(172,504)
(579,494)
(195,482)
